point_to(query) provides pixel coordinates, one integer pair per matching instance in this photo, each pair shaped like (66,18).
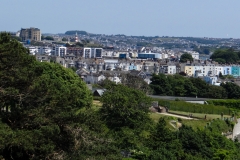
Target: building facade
(30,34)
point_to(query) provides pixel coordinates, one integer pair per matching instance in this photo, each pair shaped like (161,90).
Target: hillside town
(119,80)
(112,56)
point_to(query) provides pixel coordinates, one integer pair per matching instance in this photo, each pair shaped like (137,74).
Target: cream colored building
(30,34)
(189,70)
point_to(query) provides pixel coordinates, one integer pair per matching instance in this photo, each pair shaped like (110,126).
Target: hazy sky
(196,18)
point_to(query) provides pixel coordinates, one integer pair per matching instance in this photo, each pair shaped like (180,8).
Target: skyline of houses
(94,64)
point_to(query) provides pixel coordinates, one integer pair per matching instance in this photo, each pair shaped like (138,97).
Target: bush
(193,108)
(179,119)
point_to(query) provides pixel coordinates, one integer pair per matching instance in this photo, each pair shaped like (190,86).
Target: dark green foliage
(217,92)
(220,60)
(177,85)
(219,126)
(186,57)
(193,108)
(135,82)
(165,141)
(78,44)
(230,103)
(195,143)
(124,107)
(225,56)
(50,38)
(161,85)
(76,31)
(17,38)
(125,112)
(44,104)
(64,39)
(232,90)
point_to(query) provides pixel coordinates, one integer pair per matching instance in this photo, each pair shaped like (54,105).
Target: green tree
(190,89)
(124,107)
(220,60)
(201,86)
(44,104)
(220,75)
(135,82)
(125,112)
(225,56)
(186,57)
(78,44)
(217,92)
(164,142)
(233,90)
(50,38)
(64,39)
(160,85)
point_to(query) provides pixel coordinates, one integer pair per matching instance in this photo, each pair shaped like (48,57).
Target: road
(181,98)
(236,129)
(174,115)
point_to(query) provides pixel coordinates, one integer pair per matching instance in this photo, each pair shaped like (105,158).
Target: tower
(76,38)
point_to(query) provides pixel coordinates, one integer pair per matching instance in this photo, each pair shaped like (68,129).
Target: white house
(115,79)
(172,69)
(44,50)
(32,50)
(60,51)
(92,52)
(94,78)
(218,69)
(213,80)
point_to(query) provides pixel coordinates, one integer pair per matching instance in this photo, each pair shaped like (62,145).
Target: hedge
(194,108)
(230,103)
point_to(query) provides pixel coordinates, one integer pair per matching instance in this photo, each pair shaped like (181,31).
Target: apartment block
(30,34)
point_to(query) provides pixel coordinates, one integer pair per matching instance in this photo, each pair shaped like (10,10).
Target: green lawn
(200,115)
(97,103)
(155,116)
(194,123)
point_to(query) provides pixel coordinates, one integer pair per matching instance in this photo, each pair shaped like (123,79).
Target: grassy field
(155,116)
(200,115)
(195,124)
(97,103)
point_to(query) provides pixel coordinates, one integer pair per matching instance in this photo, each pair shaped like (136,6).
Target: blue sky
(195,18)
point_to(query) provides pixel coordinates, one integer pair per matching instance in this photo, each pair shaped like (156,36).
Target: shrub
(193,108)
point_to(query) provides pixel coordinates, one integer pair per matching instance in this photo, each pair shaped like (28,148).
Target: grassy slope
(193,123)
(201,115)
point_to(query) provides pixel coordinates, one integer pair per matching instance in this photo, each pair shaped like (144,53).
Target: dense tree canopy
(76,31)
(50,38)
(41,108)
(186,57)
(177,85)
(124,107)
(232,90)
(64,39)
(225,56)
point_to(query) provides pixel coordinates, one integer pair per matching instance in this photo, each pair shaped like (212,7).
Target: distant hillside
(76,31)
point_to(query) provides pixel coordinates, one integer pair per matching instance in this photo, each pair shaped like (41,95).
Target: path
(174,115)
(236,129)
